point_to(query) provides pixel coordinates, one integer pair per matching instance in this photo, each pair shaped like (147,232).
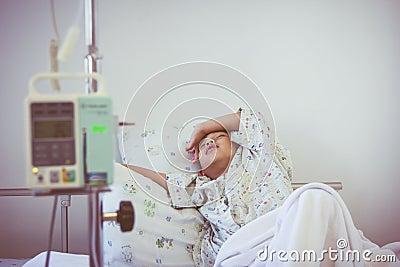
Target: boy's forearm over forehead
(227,123)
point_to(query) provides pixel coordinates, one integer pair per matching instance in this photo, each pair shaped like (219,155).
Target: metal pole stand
(65,201)
(95,227)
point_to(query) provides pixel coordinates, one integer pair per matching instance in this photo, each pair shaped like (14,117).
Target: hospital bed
(162,235)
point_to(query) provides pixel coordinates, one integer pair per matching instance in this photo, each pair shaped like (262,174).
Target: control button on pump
(68,176)
(71,175)
(54,176)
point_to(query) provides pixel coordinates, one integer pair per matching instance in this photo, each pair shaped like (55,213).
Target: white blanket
(312,228)
(59,259)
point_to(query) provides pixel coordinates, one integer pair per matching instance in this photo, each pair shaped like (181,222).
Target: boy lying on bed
(239,180)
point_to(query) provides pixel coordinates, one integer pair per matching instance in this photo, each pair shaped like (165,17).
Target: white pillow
(161,235)
(158,148)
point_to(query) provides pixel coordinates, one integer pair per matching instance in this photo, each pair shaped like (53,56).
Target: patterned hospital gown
(255,183)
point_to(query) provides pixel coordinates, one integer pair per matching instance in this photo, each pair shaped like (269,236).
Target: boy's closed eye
(222,135)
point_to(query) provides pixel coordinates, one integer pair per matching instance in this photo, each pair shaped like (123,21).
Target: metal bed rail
(16,192)
(335,185)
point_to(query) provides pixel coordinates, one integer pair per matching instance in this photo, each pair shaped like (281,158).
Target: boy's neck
(213,172)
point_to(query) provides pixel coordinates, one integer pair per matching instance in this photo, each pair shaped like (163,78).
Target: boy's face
(215,150)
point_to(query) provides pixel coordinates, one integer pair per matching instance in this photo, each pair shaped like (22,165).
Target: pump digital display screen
(53,129)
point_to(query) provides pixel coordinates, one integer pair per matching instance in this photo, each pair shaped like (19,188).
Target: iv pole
(125,215)
(92,60)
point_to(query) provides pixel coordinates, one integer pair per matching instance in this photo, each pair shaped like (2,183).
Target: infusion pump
(70,137)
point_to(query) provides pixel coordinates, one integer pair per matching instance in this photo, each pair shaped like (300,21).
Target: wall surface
(330,72)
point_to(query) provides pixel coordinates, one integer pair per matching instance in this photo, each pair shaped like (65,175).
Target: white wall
(330,71)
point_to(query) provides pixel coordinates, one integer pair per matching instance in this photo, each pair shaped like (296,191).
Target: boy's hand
(193,146)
